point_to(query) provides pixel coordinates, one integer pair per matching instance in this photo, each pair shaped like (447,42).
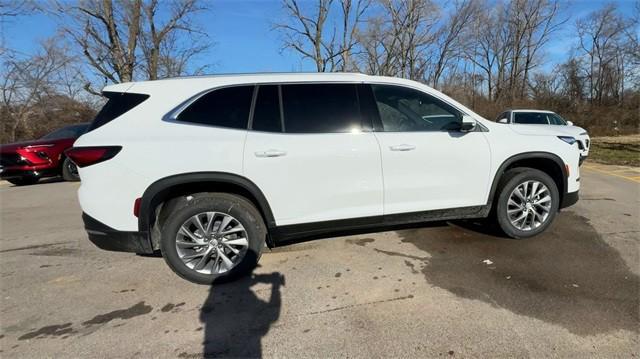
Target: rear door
(310,153)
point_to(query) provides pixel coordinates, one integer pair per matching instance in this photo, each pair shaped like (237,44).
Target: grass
(622,150)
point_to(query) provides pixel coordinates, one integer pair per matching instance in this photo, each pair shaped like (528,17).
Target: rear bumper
(109,239)
(569,199)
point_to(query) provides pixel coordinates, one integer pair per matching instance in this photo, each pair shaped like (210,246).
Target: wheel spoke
(192,256)
(543,200)
(225,222)
(183,244)
(210,217)
(185,231)
(202,262)
(227,262)
(198,223)
(237,242)
(519,194)
(534,188)
(232,230)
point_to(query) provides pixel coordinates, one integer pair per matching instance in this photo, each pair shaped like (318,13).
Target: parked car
(209,169)
(542,117)
(25,163)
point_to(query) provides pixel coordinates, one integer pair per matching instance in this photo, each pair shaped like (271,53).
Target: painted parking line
(612,173)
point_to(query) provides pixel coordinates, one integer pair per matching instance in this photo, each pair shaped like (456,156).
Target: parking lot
(450,290)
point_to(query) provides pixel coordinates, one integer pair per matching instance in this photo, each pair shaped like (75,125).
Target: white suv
(548,118)
(209,169)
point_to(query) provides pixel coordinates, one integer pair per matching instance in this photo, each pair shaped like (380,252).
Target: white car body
(579,133)
(306,178)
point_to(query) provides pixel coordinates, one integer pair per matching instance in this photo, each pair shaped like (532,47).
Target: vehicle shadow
(236,317)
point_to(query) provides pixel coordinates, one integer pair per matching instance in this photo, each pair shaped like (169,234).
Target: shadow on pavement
(567,276)
(235,317)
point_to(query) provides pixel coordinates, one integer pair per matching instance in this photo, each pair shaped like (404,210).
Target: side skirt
(283,235)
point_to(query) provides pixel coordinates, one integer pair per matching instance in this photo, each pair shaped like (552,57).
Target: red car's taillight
(86,156)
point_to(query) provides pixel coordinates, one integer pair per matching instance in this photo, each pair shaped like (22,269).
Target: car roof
(530,110)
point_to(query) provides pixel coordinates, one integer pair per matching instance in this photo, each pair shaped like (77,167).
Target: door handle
(402,147)
(270,153)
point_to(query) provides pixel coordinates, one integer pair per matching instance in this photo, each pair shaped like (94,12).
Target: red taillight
(86,156)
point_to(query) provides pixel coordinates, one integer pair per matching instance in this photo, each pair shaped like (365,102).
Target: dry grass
(619,150)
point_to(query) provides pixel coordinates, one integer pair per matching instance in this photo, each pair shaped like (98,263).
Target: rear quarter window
(226,107)
(118,103)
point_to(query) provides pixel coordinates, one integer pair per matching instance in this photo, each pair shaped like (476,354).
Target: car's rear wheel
(24,180)
(70,171)
(213,238)
(527,203)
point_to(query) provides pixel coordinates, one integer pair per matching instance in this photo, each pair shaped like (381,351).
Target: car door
(427,162)
(310,154)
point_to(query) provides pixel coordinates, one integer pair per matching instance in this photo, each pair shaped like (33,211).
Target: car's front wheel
(213,238)
(527,203)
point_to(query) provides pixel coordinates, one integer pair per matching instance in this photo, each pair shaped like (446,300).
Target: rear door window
(117,104)
(226,107)
(321,108)
(266,114)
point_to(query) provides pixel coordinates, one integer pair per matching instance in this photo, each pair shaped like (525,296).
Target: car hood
(547,130)
(12,147)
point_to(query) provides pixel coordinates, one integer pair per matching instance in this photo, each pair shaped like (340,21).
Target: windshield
(533,118)
(73,131)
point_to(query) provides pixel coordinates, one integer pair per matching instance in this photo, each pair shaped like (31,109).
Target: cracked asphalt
(443,290)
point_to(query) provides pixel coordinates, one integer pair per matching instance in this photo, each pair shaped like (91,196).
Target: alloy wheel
(211,242)
(529,205)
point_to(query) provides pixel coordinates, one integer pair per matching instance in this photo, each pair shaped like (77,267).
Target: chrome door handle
(270,153)
(403,147)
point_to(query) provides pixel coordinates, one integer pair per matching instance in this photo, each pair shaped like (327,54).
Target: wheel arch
(546,162)
(168,188)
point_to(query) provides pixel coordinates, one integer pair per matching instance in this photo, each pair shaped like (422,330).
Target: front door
(427,162)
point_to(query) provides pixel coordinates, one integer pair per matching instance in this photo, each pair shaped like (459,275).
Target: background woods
(488,54)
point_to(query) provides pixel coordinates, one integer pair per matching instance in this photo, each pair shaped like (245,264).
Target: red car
(25,163)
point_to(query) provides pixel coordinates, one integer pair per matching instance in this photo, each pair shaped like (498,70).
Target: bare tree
(450,38)
(27,81)
(395,43)
(164,57)
(309,34)
(126,40)
(601,42)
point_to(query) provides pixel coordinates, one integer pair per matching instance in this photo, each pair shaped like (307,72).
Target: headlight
(568,139)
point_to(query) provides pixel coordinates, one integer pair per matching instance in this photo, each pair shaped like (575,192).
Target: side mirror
(468,124)
(569,123)
(503,120)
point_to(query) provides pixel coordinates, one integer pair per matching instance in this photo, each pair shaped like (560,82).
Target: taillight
(87,156)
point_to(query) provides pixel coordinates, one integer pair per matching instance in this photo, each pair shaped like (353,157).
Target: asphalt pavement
(444,290)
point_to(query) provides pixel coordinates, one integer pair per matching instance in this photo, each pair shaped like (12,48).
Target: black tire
(24,181)
(70,171)
(236,206)
(510,180)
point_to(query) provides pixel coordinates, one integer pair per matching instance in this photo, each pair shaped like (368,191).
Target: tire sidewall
(237,207)
(67,175)
(518,178)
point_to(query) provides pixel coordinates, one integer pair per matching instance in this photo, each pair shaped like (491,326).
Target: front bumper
(6,173)
(110,239)
(569,199)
